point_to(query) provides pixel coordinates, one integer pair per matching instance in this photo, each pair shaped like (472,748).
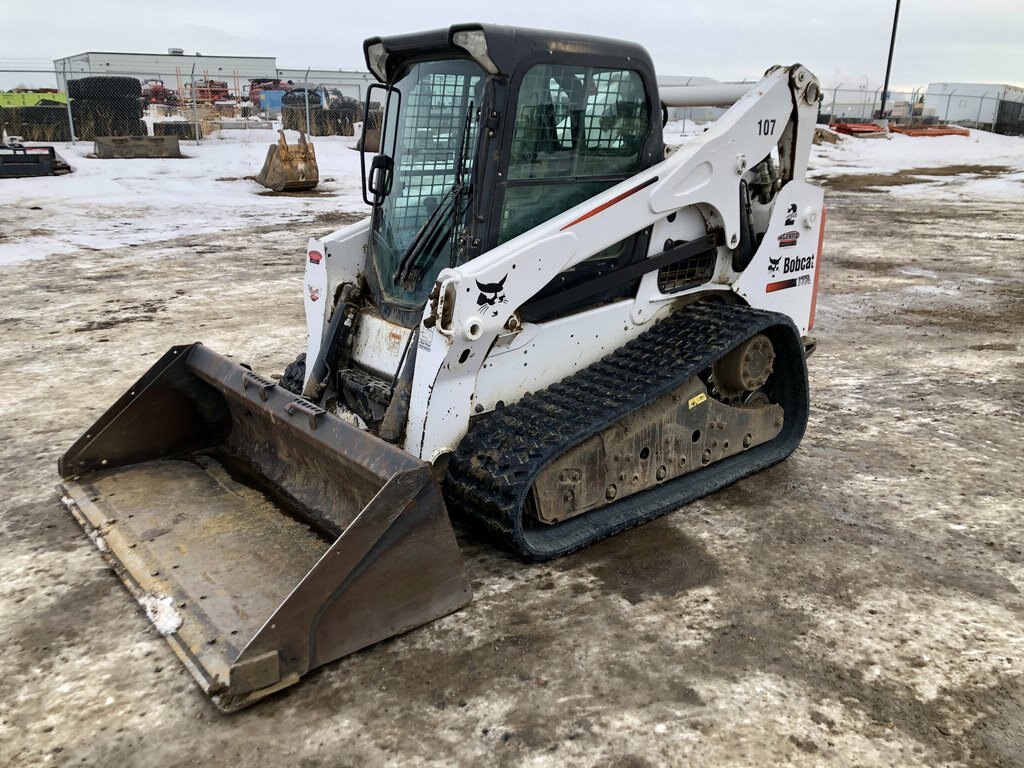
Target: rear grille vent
(689,273)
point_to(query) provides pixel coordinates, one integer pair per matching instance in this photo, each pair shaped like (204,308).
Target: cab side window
(578,131)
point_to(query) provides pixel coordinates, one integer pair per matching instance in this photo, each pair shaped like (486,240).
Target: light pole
(888,66)
(832,117)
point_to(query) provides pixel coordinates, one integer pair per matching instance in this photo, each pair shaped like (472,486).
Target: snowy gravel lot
(859,604)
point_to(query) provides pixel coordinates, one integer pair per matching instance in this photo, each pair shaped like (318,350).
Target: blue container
(270,101)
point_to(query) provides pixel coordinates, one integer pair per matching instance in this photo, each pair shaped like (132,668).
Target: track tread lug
(492,469)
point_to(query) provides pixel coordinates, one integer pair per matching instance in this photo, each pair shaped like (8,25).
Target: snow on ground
(898,152)
(113,203)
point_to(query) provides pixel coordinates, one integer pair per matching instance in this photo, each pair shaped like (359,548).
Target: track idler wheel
(746,368)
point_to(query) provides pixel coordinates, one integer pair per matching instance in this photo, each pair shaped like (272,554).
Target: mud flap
(263,536)
(289,169)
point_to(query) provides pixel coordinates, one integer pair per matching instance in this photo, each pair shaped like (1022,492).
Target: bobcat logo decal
(773,264)
(491,294)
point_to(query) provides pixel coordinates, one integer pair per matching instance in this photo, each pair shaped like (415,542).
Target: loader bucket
(263,535)
(289,169)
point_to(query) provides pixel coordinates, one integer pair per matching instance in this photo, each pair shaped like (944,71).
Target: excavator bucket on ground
(289,169)
(263,535)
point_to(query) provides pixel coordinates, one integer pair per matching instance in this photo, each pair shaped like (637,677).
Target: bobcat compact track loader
(548,326)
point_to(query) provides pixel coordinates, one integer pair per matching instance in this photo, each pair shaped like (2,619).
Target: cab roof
(506,47)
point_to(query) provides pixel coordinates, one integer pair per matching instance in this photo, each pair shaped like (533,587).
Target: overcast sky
(937,41)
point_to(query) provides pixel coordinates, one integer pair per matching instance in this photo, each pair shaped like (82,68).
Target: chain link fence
(55,105)
(46,103)
(988,111)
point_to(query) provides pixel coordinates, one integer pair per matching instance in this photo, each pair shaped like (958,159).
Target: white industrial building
(177,68)
(972,103)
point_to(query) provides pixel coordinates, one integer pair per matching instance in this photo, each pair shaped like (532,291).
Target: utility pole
(888,65)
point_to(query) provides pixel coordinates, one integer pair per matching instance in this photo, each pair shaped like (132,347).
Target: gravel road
(859,604)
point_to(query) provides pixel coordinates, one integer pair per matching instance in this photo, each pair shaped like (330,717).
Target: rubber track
(495,465)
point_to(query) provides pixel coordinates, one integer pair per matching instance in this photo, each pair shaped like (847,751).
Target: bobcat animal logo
(773,264)
(491,293)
